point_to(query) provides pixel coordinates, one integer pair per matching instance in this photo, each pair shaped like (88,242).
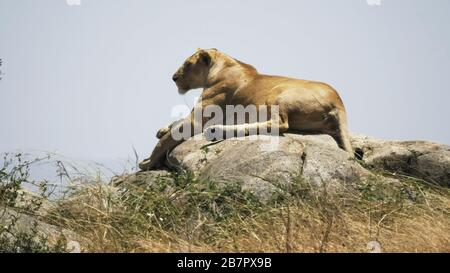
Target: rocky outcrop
(265,165)
(18,222)
(27,217)
(421,159)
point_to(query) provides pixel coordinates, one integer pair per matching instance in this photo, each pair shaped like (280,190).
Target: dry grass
(187,215)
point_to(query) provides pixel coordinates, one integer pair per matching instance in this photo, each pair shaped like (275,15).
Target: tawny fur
(306,106)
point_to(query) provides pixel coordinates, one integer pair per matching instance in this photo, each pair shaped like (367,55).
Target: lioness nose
(175,77)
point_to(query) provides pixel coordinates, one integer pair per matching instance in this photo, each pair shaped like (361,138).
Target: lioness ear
(205,58)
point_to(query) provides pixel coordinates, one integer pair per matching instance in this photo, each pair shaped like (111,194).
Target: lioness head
(194,71)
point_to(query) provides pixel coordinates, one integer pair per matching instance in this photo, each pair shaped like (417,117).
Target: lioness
(303,105)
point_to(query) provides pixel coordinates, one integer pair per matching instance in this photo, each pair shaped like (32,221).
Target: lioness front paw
(214,133)
(146,165)
(161,132)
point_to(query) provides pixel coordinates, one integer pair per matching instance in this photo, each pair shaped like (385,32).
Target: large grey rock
(421,159)
(28,216)
(17,221)
(263,168)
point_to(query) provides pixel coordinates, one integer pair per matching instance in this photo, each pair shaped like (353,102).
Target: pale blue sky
(91,81)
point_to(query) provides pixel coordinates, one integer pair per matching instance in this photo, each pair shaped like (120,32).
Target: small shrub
(16,203)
